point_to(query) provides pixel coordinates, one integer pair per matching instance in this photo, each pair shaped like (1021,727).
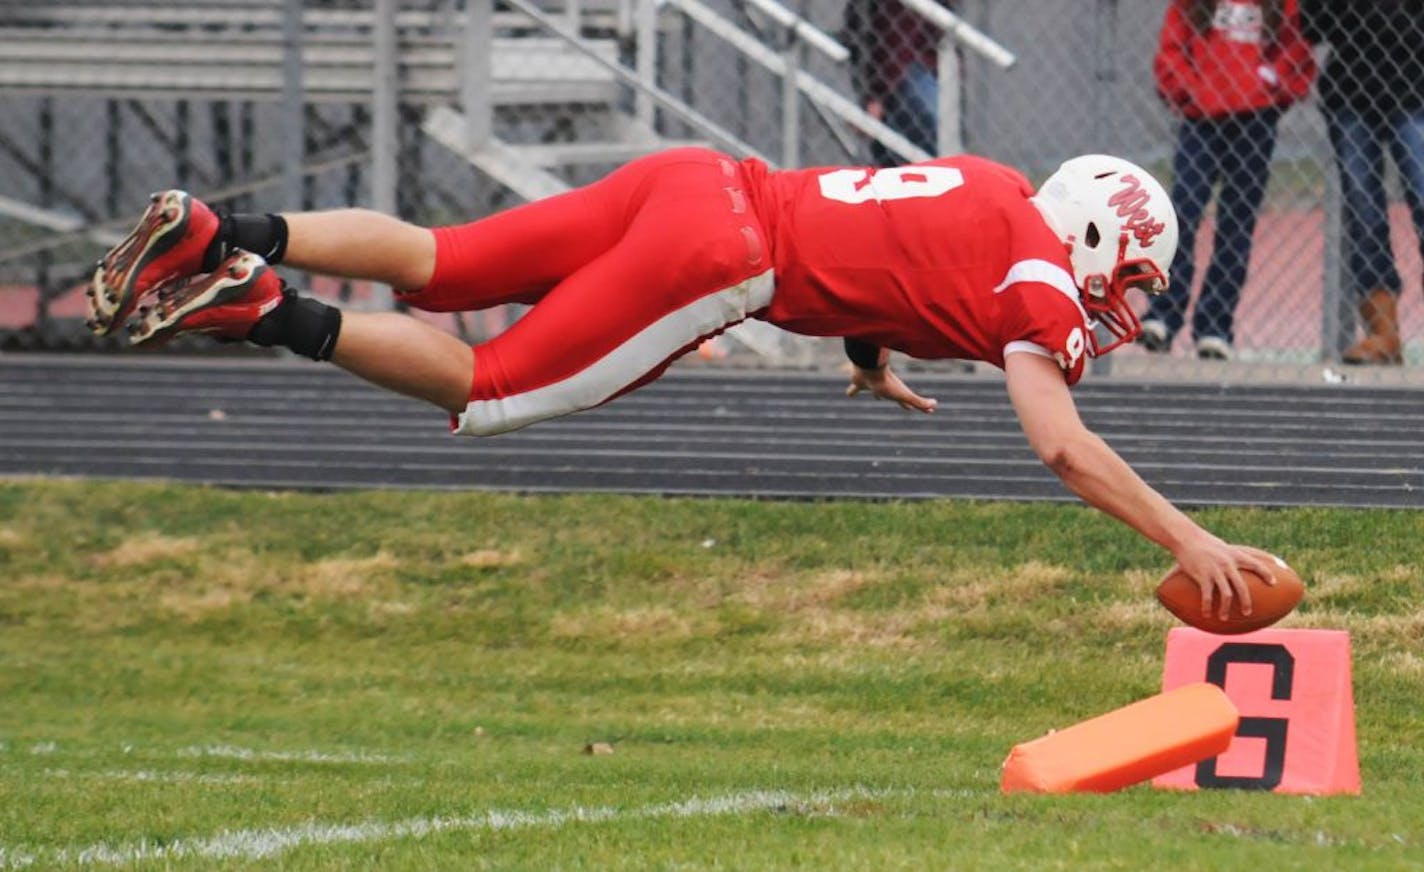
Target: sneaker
(1154,336)
(169,242)
(1213,348)
(225,303)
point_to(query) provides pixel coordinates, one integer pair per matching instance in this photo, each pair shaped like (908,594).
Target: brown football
(1269,603)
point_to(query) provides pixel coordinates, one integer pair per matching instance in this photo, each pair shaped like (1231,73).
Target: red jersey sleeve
(1040,318)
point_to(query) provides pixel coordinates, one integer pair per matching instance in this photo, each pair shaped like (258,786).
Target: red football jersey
(943,259)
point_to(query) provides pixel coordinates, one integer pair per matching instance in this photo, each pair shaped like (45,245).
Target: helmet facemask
(1105,300)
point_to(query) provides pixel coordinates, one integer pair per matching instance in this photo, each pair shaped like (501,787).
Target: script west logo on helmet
(1131,203)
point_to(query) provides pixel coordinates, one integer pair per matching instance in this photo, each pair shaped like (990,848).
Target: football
(1269,603)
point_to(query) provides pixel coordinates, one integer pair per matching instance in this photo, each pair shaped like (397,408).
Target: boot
(1379,312)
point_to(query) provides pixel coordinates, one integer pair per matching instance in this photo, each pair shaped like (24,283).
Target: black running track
(292,424)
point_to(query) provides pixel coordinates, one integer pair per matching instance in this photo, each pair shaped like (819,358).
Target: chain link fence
(444,111)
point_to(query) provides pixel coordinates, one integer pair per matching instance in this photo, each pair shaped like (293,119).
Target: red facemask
(1110,307)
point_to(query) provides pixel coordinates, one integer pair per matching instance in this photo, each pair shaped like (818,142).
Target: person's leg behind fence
(1371,276)
(1408,152)
(1195,167)
(1246,149)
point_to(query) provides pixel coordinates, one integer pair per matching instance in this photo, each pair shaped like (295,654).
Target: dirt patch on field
(192,606)
(898,629)
(800,593)
(491,558)
(641,624)
(347,576)
(978,587)
(148,548)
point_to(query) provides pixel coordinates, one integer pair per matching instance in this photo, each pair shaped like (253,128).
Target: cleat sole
(162,226)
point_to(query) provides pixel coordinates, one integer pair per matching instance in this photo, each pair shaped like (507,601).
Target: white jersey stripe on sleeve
(623,365)
(1046,273)
(1028,347)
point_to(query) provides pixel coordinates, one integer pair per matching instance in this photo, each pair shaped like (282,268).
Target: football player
(952,258)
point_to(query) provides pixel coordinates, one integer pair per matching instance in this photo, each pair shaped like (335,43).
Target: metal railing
(376,102)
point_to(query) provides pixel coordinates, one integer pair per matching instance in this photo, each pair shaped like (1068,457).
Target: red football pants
(625,275)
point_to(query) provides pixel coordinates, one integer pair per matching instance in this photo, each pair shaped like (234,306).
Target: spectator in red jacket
(1228,68)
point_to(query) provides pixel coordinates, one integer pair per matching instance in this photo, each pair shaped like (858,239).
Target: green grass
(835,683)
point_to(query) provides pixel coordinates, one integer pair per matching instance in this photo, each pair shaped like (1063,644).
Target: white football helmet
(1120,230)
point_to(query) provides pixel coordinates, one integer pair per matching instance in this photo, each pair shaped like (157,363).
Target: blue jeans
(1364,221)
(912,110)
(1236,151)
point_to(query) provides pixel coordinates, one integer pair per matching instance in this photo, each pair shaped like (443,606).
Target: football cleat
(168,242)
(226,303)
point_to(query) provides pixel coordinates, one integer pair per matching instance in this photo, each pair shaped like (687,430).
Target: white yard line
(230,752)
(151,776)
(235,753)
(140,776)
(257,844)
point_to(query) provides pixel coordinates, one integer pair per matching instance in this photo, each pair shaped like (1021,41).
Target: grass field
(204,679)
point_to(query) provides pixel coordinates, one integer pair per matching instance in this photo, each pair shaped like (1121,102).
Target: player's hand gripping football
(1216,567)
(884,384)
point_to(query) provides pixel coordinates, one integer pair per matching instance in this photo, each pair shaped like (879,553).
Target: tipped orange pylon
(1126,746)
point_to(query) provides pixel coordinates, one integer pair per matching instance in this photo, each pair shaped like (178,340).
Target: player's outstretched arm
(1093,471)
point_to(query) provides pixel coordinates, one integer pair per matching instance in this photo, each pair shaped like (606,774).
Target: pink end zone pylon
(1294,691)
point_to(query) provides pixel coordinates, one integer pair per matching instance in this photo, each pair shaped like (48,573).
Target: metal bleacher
(224,51)
(236,52)
(486,81)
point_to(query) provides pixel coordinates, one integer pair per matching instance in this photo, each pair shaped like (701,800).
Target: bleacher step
(577,153)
